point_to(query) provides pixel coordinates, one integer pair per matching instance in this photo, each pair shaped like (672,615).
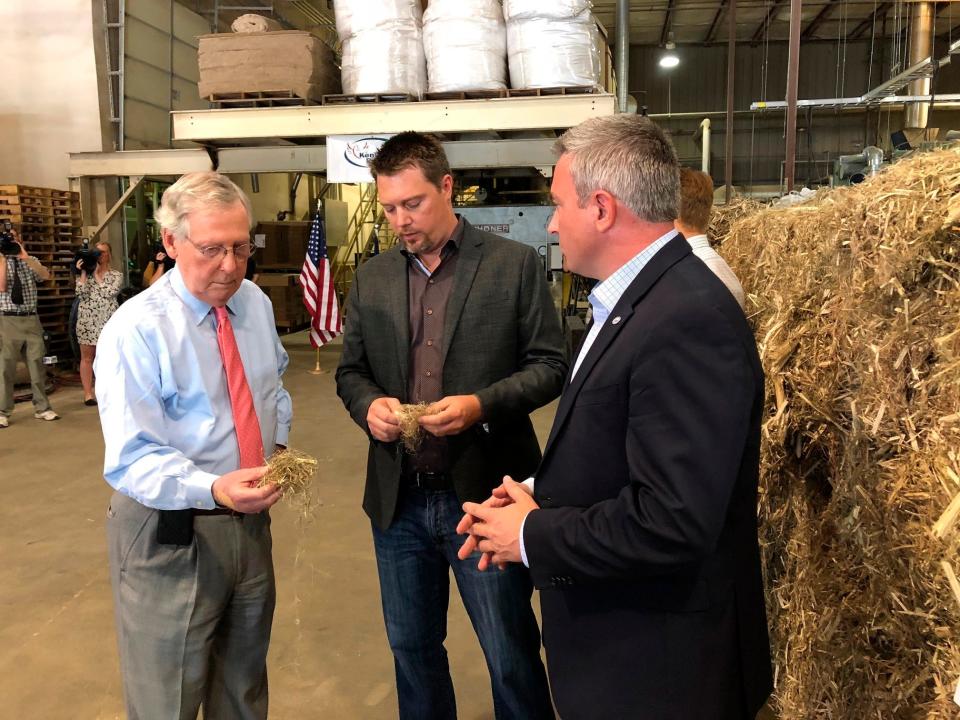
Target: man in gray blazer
(461,319)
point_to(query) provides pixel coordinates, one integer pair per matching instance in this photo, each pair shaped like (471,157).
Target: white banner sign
(347,157)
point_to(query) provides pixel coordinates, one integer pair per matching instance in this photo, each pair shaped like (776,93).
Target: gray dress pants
(193,622)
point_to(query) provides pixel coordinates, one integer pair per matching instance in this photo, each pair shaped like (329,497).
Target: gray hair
(199,191)
(630,157)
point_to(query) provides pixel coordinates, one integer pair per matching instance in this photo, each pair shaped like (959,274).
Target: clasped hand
(493,527)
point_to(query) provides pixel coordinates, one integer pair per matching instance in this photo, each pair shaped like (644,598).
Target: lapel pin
(615,320)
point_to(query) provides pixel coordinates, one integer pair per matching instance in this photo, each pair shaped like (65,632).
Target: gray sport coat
(502,341)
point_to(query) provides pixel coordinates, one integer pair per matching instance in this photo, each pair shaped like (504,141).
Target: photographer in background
(155,269)
(20,326)
(97,289)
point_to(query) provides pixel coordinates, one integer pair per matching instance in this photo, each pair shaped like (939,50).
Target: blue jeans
(414,557)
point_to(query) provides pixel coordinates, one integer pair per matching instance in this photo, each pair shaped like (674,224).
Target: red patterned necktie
(245,420)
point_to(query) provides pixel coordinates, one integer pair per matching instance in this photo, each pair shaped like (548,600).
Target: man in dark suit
(463,320)
(641,531)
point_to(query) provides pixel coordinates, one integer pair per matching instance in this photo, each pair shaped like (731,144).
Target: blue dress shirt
(603,299)
(163,398)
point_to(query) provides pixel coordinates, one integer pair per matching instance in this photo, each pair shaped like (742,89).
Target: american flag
(318,292)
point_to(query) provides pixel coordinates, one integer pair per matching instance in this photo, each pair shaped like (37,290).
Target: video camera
(87,257)
(8,246)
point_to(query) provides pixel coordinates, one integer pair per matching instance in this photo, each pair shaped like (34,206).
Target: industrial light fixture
(669,59)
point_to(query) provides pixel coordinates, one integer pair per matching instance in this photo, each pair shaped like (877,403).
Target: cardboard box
(285,244)
(286,295)
(277,280)
(288,60)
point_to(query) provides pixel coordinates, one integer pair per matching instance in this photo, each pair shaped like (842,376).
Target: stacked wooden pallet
(49,225)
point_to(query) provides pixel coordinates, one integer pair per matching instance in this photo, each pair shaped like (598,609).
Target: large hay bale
(723,216)
(855,299)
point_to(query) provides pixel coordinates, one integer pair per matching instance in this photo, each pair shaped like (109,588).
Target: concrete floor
(328,657)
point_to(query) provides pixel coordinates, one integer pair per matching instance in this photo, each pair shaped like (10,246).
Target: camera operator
(20,327)
(157,267)
(97,295)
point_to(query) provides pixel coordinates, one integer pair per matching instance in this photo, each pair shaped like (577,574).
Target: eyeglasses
(219,252)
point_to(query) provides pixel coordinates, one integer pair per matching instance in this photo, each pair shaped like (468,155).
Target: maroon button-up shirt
(428,294)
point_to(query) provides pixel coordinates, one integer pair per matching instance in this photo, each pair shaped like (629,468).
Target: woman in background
(157,267)
(97,294)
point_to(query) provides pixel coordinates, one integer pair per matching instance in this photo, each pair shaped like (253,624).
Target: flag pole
(317,280)
(317,370)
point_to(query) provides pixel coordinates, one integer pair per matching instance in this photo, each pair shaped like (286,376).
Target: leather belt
(18,313)
(218,511)
(429,480)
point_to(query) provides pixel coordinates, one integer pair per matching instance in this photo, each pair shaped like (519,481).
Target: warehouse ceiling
(695,22)
(691,22)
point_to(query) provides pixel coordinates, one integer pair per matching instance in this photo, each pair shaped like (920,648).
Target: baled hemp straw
(410,431)
(292,470)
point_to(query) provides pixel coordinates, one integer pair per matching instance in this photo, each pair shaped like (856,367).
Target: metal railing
(367,227)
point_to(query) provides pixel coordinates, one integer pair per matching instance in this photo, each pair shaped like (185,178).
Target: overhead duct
(921,46)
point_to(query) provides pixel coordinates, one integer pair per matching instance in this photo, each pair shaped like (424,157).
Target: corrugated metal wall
(160,68)
(698,85)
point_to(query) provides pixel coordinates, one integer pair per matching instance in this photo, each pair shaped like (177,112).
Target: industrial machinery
(854,169)
(524,223)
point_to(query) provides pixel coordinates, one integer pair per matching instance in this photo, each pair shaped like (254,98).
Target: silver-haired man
(193,402)
(640,528)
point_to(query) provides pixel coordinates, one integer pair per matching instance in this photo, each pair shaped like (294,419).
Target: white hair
(199,191)
(630,157)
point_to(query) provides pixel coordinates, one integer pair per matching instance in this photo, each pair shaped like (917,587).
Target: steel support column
(793,75)
(728,129)
(623,53)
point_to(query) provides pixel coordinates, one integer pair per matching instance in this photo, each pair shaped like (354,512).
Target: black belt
(18,313)
(429,480)
(218,511)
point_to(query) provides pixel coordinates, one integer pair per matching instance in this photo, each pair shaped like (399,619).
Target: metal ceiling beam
(463,155)
(818,20)
(518,113)
(762,28)
(711,31)
(667,22)
(951,100)
(882,9)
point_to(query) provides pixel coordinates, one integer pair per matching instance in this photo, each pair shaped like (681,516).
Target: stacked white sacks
(465,42)
(382,46)
(552,44)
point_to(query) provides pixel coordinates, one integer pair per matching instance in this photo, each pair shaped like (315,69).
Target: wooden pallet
(59,292)
(368,98)
(466,95)
(545,91)
(53,302)
(29,191)
(266,98)
(510,93)
(26,218)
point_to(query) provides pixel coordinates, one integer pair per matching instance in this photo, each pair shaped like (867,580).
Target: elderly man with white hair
(191,401)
